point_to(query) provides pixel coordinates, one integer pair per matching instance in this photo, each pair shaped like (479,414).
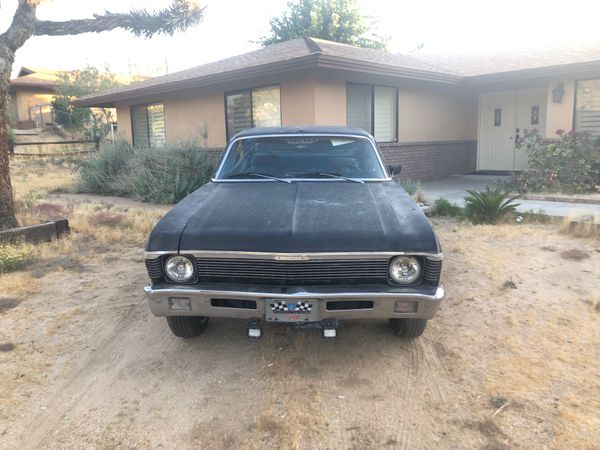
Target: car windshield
(293,157)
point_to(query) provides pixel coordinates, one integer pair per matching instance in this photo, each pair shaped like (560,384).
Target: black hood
(296,218)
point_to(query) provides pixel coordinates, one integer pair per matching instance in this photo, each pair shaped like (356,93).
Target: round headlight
(405,269)
(179,268)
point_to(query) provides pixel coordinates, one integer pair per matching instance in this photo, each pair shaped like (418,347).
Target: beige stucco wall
(124,122)
(25,99)
(559,116)
(330,102)
(436,114)
(297,100)
(200,118)
(426,112)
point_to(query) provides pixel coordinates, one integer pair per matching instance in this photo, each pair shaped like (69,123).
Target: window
(374,109)
(148,125)
(497,117)
(259,107)
(587,106)
(535,115)
(301,157)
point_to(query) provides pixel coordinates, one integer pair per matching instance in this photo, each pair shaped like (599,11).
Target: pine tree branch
(179,16)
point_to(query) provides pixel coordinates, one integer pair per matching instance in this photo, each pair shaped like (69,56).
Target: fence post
(41,117)
(97,142)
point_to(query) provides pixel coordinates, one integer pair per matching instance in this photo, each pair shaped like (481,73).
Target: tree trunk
(7,205)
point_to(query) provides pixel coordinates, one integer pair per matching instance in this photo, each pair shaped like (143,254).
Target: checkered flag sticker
(281,307)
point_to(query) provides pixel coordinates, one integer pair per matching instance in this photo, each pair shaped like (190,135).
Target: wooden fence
(60,148)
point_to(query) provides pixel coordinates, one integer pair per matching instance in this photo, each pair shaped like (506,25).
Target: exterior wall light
(557,93)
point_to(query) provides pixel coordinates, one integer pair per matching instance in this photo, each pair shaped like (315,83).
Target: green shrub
(167,174)
(159,175)
(444,208)
(410,186)
(104,172)
(15,256)
(571,164)
(488,206)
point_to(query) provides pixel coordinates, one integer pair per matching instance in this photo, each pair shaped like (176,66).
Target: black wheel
(408,328)
(187,326)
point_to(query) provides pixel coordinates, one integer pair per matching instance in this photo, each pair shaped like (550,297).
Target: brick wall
(431,160)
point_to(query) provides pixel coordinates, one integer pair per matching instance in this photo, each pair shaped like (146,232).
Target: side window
(148,125)
(259,107)
(373,109)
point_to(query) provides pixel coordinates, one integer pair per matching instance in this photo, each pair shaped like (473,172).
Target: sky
(230,26)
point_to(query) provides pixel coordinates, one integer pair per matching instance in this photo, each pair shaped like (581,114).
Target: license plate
(277,310)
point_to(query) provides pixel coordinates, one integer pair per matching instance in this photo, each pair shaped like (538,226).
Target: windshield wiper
(257,174)
(330,175)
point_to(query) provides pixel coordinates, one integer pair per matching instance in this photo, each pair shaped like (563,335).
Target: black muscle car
(298,225)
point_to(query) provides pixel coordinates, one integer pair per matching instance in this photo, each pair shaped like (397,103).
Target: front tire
(408,328)
(187,326)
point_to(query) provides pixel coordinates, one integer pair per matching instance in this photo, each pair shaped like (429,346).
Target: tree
(180,15)
(334,20)
(76,84)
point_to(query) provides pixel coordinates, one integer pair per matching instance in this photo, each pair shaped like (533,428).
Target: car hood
(299,217)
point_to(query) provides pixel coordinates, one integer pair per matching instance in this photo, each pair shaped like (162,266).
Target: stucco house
(32,91)
(434,115)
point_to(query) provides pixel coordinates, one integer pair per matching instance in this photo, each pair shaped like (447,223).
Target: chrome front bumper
(383,299)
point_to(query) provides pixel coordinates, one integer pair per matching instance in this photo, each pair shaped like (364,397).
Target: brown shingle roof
(312,52)
(301,52)
(521,58)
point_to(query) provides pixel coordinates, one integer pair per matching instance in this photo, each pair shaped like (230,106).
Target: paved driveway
(454,189)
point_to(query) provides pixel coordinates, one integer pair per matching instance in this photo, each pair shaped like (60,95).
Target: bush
(488,206)
(15,257)
(168,174)
(104,173)
(410,186)
(444,208)
(159,175)
(571,164)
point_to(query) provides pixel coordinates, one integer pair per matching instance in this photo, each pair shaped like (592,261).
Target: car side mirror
(394,169)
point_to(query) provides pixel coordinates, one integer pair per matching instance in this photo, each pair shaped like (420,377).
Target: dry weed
(581,226)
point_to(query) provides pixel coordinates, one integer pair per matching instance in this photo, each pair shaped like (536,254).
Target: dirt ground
(511,361)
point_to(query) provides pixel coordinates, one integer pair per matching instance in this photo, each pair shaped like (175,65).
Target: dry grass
(95,228)
(581,226)
(37,177)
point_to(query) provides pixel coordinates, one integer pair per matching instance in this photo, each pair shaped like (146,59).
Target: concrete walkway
(454,189)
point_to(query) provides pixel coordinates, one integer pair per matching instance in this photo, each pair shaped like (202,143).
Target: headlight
(405,269)
(179,268)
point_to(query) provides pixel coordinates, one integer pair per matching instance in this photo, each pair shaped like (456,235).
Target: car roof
(312,129)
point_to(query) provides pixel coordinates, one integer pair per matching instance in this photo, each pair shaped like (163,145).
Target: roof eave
(218,78)
(538,72)
(316,59)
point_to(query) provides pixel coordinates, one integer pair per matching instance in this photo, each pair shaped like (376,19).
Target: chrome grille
(432,271)
(293,272)
(154,267)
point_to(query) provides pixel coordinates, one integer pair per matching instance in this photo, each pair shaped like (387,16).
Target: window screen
(374,109)
(148,125)
(260,107)
(587,103)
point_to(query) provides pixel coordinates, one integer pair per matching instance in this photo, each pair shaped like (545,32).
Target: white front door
(495,131)
(503,118)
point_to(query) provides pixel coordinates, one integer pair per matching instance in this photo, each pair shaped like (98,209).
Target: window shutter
(385,113)
(358,106)
(587,114)
(156,125)
(139,126)
(266,107)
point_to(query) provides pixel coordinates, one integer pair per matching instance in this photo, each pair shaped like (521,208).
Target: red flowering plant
(570,163)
